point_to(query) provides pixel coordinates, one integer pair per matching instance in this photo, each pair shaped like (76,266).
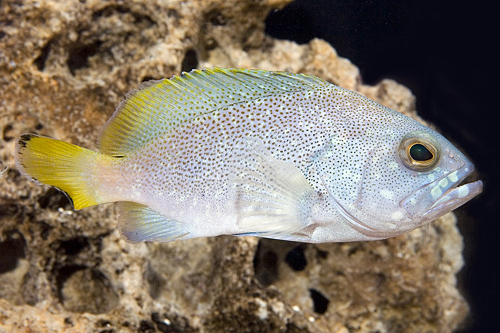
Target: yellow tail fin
(63,165)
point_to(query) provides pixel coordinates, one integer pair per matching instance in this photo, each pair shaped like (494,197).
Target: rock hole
(155,282)
(42,57)
(64,273)
(74,246)
(6,136)
(216,18)
(163,323)
(118,10)
(170,325)
(353,250)
(11,250)
(210,44)
(296,258)
(107,326)
(54,199)
(45,230)
(146,327)
(79,56)
(190,61)
(110,11)
(82,289)
(173,13)
(15,175)
(265,264)
(148,78)
(321,254)
(8,210)
(320,302)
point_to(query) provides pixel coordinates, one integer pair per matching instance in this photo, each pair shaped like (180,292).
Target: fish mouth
(442,195)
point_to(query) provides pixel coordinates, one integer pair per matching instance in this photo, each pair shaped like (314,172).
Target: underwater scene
(246,166)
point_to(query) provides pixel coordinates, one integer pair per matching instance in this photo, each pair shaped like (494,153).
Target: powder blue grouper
(254,152)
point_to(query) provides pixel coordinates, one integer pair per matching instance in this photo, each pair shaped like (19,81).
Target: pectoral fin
(272,196)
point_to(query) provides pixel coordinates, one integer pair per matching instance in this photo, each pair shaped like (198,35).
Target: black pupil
(420,153)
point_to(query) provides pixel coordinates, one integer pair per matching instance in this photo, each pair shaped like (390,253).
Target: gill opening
(353,221)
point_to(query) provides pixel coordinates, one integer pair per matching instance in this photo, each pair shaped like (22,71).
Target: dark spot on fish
(320,302)
(24,138)
(119,156)
(22,143)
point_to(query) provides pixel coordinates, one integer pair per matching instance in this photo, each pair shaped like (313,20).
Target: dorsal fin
(158,106)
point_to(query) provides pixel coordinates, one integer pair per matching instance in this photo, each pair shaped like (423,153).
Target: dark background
(441,50)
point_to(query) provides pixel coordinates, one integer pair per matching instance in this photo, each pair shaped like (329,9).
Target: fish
(250,152)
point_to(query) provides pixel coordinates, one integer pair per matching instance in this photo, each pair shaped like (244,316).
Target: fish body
(261,153)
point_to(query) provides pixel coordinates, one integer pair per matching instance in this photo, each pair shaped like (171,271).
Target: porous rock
(64,67)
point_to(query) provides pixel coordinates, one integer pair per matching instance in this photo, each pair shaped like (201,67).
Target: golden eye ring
(419,152)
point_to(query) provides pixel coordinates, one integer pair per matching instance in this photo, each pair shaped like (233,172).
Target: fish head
(396,179)
(438,168)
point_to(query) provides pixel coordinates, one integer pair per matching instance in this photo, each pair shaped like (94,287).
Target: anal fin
(139,223)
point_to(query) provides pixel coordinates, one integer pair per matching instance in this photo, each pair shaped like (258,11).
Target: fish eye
(419,152)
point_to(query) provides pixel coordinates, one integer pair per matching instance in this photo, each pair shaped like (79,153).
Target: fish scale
(260,153)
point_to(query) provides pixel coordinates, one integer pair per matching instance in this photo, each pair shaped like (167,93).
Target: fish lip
(442,195)
(456,196)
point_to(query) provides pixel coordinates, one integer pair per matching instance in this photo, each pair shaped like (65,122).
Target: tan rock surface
(64,67)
